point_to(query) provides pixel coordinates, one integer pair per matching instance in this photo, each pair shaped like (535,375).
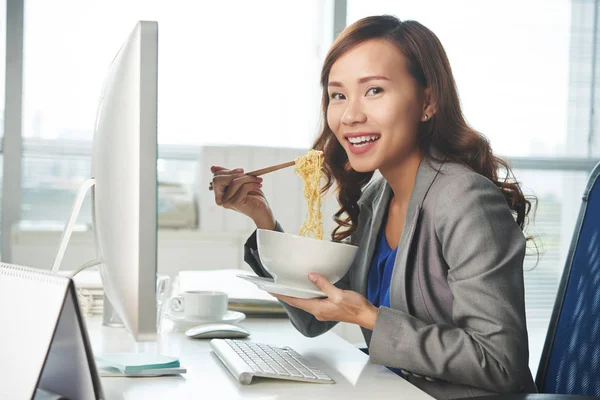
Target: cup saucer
(268,285)
(230,317)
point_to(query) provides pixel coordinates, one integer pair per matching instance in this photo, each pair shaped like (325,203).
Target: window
(2,88)
(229,73)
(523,71)
(3,58)
(223,68)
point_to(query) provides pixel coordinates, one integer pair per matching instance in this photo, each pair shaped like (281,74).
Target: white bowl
(290,258)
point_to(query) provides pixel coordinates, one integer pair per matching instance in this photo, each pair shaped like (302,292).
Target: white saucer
(268,285)
(230,317)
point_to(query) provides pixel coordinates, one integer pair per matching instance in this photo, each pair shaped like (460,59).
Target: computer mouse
(210,331)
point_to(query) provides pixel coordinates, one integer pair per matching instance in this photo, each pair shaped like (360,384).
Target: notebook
(43,329)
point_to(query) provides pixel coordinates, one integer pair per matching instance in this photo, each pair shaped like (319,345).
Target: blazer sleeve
(487,344)
(304,322)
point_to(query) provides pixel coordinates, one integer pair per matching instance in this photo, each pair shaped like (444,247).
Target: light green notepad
(104,371)
(127,362)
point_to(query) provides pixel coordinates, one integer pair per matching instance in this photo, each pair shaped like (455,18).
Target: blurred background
(239,86)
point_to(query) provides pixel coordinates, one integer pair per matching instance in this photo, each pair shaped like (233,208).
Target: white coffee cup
(208,305)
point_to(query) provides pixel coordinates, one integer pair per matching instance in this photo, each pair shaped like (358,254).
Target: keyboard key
(267,369)
(280,370)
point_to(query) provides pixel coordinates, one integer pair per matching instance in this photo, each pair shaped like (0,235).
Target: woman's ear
(429,105)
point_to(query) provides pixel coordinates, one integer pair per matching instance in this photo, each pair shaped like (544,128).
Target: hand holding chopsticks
(264,171)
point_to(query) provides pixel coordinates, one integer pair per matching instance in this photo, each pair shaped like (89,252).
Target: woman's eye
(374,91)
(337,96)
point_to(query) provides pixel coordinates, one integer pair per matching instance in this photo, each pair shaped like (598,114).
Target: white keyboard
(246,359)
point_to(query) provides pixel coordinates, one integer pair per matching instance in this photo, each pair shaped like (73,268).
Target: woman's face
(375,105)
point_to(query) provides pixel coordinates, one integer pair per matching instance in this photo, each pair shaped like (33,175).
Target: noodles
(308,167)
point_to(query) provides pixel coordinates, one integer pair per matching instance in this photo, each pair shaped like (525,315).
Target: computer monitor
(124,158)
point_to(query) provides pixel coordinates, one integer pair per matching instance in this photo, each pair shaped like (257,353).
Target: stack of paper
(138,364)
(90,292)
(243,295)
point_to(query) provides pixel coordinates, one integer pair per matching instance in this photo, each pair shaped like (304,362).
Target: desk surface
(355,376)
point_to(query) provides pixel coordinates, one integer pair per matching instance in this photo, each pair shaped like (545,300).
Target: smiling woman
(437,281)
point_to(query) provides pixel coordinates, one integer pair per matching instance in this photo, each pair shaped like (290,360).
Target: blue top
(380,276)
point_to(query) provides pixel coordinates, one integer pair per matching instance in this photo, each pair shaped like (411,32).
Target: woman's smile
(361,142)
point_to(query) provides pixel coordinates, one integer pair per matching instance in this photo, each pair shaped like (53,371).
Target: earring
(426,117)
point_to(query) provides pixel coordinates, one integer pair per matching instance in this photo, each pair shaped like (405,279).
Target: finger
(308,305)
(278,296)
(241,195)
(216,168)
(225,171)
(221,181)
(256,192)
(224,180)
(331,291)
(220,185)
(282,297)
(237,183)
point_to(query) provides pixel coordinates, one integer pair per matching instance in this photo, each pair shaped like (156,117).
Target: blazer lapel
(426,175)
(372,219)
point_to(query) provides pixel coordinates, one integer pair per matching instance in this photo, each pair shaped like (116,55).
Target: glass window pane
(2,86)
(1,179)
(2,63)
(229,72)
(182,172)
(49,186)
(51,182)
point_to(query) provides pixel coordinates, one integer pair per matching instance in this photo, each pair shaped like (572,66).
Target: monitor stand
(66,235)
(110,317)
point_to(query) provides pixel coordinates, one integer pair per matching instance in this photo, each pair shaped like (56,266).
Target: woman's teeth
(361,141)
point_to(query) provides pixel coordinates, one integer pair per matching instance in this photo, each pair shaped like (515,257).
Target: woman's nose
(353,114)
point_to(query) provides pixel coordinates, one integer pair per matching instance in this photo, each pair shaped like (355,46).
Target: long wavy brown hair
(447,131)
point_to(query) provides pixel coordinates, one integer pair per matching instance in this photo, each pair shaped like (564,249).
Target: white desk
(207,377)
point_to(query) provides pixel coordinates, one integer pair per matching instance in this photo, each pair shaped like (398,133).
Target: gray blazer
(456,325)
